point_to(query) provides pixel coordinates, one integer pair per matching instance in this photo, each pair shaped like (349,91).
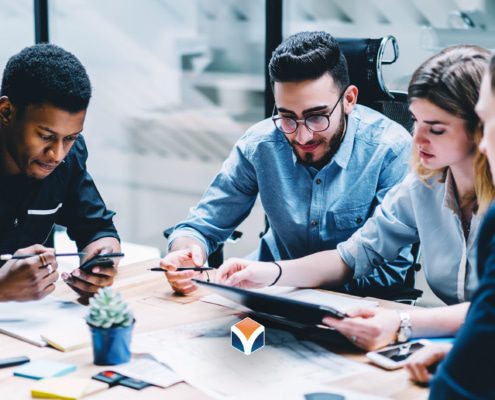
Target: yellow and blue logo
(247,336)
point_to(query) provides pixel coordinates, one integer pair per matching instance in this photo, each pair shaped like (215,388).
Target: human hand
(192,256)
(30,278)
(247,274)
(369,329)
(420,363)
(86,284)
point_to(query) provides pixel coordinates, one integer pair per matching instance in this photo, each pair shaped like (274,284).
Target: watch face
(403,335)
(405,330)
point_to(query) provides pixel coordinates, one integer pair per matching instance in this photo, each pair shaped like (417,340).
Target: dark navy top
(68,196)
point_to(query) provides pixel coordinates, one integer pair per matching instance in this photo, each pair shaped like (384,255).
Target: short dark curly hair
(45,73)
(308,55)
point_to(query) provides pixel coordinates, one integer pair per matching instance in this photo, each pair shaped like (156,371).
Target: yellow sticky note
(63,388)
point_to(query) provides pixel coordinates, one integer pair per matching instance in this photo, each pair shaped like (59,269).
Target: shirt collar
(344,152)
(294,157)
(449,198)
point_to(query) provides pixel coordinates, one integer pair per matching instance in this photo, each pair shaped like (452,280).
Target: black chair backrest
(365,58)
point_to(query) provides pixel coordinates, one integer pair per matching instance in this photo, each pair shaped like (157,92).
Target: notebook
(49,317)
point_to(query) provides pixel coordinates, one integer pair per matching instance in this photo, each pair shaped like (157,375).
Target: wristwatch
(405,329)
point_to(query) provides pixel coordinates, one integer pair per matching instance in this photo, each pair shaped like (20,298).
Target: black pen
(199,269)
(6,257)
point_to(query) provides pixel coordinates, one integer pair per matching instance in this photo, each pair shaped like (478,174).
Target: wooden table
(156,307)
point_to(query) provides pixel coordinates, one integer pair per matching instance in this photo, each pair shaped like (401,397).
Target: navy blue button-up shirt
(68,196)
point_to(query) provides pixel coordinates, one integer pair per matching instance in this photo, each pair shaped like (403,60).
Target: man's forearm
(324,268)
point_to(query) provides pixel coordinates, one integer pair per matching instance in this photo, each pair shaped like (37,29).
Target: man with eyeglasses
(320,165)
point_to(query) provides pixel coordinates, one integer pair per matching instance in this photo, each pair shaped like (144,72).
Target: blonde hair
(451,80)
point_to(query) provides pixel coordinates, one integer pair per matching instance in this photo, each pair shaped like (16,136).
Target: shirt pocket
(39,223)
(50,211)
(351,218)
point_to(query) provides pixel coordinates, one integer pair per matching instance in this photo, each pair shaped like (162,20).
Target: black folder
(293,310)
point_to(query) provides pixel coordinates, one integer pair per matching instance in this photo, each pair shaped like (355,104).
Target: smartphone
(394,357)
(102,260)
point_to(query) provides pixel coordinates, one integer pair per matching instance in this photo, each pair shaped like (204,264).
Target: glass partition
(175,85)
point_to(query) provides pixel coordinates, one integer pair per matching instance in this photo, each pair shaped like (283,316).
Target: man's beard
(332,146)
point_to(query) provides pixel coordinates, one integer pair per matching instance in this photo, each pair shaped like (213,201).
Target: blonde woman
(440,204)
(465,373)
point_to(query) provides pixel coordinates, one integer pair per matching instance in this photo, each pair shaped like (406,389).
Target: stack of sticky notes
(60,388)
(66,388)
(61,340)
(44,369)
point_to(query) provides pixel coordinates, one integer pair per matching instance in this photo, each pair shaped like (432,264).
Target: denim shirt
(308,210)
(430,213)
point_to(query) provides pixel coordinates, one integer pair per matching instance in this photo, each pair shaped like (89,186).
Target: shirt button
(359,220)
(314,222)
(16,222)
(318,181)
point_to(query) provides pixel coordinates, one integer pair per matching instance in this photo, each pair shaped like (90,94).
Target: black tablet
(294,310)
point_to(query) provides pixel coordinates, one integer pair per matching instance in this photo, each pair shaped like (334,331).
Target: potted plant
(111,323)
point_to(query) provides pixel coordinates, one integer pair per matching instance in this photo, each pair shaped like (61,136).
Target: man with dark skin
(43,179)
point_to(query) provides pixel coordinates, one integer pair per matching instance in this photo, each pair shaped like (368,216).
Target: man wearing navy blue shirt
(43,179)
(320,165)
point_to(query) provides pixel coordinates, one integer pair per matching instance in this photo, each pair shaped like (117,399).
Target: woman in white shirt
(440,204)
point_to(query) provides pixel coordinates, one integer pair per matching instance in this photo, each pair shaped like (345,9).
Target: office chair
(364,61)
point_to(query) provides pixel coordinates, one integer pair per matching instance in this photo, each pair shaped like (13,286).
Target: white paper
(150,371)
(29,320)
(221,371)
(275,290)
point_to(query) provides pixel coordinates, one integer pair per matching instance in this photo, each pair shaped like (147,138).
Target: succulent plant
(107,309)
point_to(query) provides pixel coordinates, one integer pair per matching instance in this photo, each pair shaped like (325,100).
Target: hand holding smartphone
(396,356)
(101,260)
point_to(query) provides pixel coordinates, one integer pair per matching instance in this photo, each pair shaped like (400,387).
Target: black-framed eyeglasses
(314,123)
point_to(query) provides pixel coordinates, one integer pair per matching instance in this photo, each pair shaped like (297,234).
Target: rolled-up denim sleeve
(382,237)
(227,201)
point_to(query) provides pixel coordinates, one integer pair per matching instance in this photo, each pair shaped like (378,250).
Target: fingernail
(76,272)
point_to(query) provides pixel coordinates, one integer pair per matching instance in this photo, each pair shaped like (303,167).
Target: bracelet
(279,273)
